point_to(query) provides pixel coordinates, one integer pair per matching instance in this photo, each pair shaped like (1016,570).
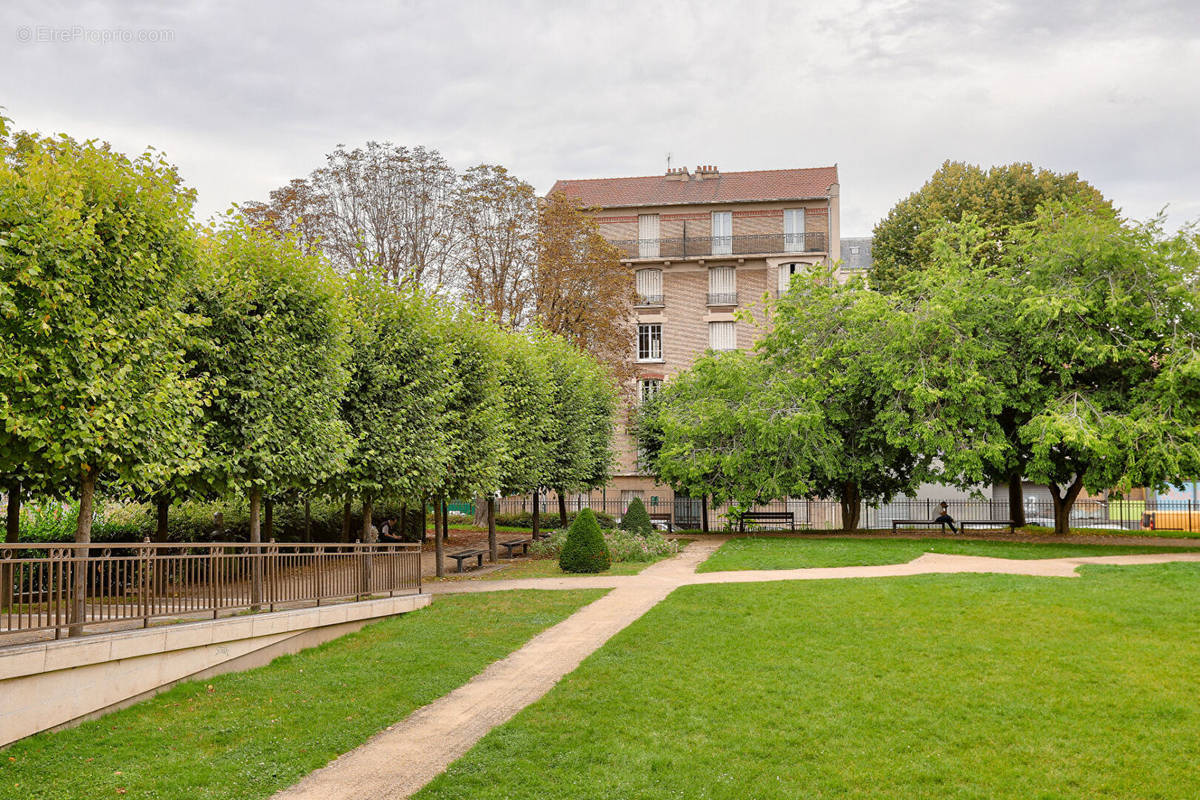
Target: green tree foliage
(636,520)
(400,380)
(95,252)
(1000,198)
(582,399)
(584,550)
(279,340)
(524,374)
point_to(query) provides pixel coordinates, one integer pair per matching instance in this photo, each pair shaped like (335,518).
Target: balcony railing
(700,246)
(650,300)
(722,299)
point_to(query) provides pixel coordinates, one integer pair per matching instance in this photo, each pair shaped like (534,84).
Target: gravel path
(400,760)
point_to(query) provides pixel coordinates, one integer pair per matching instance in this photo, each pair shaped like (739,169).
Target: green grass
(548,568)
(781,553)
(937,686)
(248,735)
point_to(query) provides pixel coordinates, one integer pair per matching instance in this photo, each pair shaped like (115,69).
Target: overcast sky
(245,96)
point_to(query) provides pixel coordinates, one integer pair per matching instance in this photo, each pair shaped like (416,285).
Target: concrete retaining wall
(58,683)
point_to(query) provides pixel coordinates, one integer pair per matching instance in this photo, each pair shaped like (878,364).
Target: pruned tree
(95,250)
(400,381)
(279,340)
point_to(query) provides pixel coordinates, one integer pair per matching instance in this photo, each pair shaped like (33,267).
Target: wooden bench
(463,555)
(513,544)
(664,516)
(961,523)
(767,516)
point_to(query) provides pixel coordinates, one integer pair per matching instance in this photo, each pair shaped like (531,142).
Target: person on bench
(945,519)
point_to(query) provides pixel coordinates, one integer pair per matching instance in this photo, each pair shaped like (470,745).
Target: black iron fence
(686,513)
(698,246)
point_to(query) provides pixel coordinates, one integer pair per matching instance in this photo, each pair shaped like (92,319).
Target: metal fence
(73,587)
(700,246)
(685,513)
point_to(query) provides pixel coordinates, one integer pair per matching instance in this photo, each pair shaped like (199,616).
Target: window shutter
(721,280)
(722,335)
(793,230)
(722,233)
(648,235)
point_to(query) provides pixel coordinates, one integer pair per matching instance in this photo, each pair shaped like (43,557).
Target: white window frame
(648,388)
(649,286)
(794,230)
(722,335)
(722,233)
(789,271)
(648,234)
(651,334)
(722,281)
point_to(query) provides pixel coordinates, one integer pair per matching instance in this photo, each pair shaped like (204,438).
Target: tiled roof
(728,187)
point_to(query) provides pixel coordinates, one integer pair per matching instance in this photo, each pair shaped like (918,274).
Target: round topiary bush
(584,550)
(636,520)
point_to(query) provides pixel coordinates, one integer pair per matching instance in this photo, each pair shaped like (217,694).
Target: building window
(789,271)
(649,287)
(649,342)
(647,235)
(722,286)
(722,233)
(648,389)
(793,230)
(722,335)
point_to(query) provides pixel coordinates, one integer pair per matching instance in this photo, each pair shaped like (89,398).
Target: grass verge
(937,686)
(782,553)
(250,734)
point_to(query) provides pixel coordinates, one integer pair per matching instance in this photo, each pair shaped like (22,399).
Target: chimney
(677,174)
(707,172)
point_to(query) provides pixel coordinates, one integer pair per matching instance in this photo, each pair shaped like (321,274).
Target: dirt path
(400,760)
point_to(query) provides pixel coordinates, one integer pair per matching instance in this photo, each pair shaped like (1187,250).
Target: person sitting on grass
(945,517)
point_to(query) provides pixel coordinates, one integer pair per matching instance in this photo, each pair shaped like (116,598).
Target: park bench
(664,516)
(513,544)
(961,523)
(462,555)
(767,516)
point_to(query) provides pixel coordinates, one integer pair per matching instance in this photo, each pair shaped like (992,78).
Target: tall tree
(95,252)
(383,209)
(999,199)
(400,381)
(581,289)
(497,216)
(278,339)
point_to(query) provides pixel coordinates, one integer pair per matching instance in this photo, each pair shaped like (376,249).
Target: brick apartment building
(704,245)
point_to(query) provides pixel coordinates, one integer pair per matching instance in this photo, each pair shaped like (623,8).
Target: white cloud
(246,96)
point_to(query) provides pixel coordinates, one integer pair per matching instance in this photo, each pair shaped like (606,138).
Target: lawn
(936,686)
(250,734)
(781,553)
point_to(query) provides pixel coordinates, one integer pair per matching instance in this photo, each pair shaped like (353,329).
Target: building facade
(703,245)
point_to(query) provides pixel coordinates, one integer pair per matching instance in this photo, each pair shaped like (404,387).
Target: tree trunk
(269,520)
(256,571)
(536,515)
(562,508)
(438,547)
(1016,499)
(83,535)
(704,513)
(851,506)
(367,534)
(445,520)
(493,545)
(1063,502)
(162,505)
(346,521)
(307,521)
(481,512)
(12,535)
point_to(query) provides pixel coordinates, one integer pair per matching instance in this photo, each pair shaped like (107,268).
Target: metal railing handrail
(718,246)
(69,586)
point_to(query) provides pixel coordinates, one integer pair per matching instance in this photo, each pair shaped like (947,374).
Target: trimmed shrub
(584,550)
(636,520)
